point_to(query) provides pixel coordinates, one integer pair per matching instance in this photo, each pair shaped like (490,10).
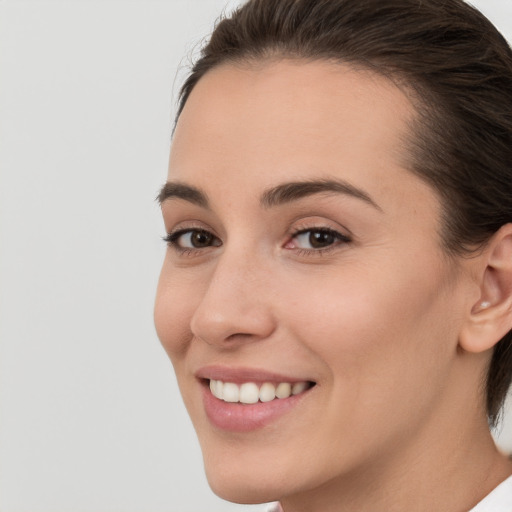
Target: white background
(91,418)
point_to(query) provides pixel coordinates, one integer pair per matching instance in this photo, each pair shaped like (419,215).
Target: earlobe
(491,316)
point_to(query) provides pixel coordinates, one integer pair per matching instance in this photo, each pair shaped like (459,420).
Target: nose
(236,305)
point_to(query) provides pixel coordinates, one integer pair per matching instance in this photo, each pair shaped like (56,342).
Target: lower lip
(238,417)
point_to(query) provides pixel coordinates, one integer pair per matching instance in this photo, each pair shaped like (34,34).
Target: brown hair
(458,69)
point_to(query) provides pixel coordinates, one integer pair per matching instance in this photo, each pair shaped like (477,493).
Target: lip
(238,417)
(243,374)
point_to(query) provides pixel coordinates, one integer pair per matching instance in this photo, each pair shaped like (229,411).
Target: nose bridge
(235,303)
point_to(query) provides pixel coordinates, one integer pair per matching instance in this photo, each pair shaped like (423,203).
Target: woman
(336,298)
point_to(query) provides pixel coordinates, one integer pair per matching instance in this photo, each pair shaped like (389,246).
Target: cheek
(174,307)
(372,323)
(379,339)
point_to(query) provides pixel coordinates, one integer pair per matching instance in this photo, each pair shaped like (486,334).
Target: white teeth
(267,392)
(250,393)
(230,392)
(284,390)
(216,387)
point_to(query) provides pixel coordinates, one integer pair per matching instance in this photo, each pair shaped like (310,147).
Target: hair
(457,69)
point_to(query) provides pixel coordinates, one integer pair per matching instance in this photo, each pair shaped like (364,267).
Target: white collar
(500,500)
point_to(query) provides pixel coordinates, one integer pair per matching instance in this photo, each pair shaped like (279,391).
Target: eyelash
(338,239)
(172,240)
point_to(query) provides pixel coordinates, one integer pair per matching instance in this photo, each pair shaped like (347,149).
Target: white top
(500,500)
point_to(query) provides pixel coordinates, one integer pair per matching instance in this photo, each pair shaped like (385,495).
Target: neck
(433,477)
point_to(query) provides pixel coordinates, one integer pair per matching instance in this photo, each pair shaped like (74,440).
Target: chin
(244,495)
(241,483)
(247,491)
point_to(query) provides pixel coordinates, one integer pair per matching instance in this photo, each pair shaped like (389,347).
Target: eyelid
(175,234)
(341,239)
(320,224)
(184,226)
(325,229)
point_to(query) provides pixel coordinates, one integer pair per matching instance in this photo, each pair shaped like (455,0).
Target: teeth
(284,390)
(267,392)
(298,387)
(250,393)
(230,392)
(216,387)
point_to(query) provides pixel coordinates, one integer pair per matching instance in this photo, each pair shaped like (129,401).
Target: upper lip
(239,375)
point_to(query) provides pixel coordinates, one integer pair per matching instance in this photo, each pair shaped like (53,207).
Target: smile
(252,393)
(242,400)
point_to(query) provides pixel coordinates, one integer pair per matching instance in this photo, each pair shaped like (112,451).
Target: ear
(491,316)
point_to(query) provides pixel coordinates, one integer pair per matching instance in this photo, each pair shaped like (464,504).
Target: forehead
(255,125)
(294,87)
(292,102)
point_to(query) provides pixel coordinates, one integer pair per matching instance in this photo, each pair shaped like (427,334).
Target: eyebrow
(275,196)
(178,190)
(288,192)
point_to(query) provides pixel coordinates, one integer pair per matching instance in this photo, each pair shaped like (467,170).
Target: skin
(396,420)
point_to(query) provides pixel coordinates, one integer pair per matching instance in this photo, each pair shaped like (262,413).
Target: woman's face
(303,256)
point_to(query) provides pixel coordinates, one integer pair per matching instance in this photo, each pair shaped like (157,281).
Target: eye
(190,239)
(316,239)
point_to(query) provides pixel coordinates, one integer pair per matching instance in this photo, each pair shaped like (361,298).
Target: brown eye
(192,239)
(200,239)
(320,239)
(317,239)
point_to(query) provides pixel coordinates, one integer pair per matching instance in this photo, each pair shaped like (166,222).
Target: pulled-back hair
(456,68)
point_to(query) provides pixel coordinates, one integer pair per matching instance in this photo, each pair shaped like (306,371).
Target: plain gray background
(91,418)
